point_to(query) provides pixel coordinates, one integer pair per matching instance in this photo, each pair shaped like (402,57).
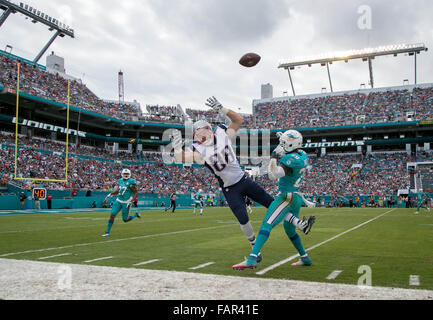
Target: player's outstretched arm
(235,124)
(135,191)
(235,118)
(184,156)
(113,193)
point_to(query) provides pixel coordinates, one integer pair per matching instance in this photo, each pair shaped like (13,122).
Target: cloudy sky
(183,51)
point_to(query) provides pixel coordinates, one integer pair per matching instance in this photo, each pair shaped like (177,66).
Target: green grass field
(394,243)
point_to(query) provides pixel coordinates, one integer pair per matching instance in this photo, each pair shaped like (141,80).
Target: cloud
(220,24)
(184,51)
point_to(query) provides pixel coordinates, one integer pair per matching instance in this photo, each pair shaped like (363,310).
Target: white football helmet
(126,174)
(289,141)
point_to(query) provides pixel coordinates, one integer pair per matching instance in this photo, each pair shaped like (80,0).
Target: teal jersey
(198,196)
(298,162)
(125,191)
(420,198)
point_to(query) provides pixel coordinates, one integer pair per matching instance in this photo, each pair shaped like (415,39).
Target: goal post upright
(16,135)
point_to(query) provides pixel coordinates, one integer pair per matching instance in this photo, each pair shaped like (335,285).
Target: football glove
(213,103)
(176,141)
(275,171)
(129,204)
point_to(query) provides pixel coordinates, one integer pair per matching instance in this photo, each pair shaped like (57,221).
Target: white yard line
(334,274)
(54,256)
(146,262)
(414,280)
(110,241)
(261,272)
(98,259)
(201,265)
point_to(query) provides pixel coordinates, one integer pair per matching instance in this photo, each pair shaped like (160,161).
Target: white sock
(293,220)
(248,231)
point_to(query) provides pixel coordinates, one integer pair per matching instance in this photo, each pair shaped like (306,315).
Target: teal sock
(294,237)
(261,239)
(110,224)
(130,217)
(296,241)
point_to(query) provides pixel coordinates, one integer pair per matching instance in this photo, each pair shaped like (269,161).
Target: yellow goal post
(33,180)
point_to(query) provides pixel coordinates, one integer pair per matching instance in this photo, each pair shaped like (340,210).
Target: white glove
(216,105)
(176,142)
(213,103)
(129,204)
(108,196)
(271,168)
(275,171)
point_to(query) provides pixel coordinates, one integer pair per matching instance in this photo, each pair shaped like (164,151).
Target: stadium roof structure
(366,54)
(36,16)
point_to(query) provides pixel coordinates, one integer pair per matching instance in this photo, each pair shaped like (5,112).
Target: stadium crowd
(97,174)
(346,109)
(324,110)
(53,87)
(342,174)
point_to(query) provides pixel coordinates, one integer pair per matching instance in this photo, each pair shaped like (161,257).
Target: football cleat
(137,215)
(106,235)
(307,224)
(247,264)
(259,257)
(304,261)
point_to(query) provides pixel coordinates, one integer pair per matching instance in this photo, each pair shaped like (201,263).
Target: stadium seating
(346,109)
(43,84)
(90,168)
(363,107)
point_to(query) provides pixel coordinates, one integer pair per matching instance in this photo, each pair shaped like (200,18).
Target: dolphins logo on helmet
(289,140)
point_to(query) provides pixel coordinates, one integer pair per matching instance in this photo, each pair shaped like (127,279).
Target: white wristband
(224,110)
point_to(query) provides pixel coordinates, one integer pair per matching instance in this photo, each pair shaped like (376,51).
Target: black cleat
(308,224)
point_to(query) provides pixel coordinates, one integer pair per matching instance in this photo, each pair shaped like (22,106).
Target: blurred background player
(213,148)
(422,202)
(198,201)
(23,198)
(287,205)
(172,202)
(126,191)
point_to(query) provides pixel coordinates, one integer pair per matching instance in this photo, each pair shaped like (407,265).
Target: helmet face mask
(203,133)
(126,174)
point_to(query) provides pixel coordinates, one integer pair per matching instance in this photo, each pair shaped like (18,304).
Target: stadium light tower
(36,16)
(121,87)
(366,54)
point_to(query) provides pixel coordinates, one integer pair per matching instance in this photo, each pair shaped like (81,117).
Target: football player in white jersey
(213,148)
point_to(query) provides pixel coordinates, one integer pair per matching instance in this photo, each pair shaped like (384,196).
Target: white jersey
(220,158)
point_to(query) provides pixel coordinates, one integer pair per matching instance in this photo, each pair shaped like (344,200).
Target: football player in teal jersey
(286,206)
(198,201)
(422,202)
(126,191)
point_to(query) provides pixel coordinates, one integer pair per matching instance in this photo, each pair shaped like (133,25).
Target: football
(249,59)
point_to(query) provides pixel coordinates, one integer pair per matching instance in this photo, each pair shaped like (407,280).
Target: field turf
(395,244)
